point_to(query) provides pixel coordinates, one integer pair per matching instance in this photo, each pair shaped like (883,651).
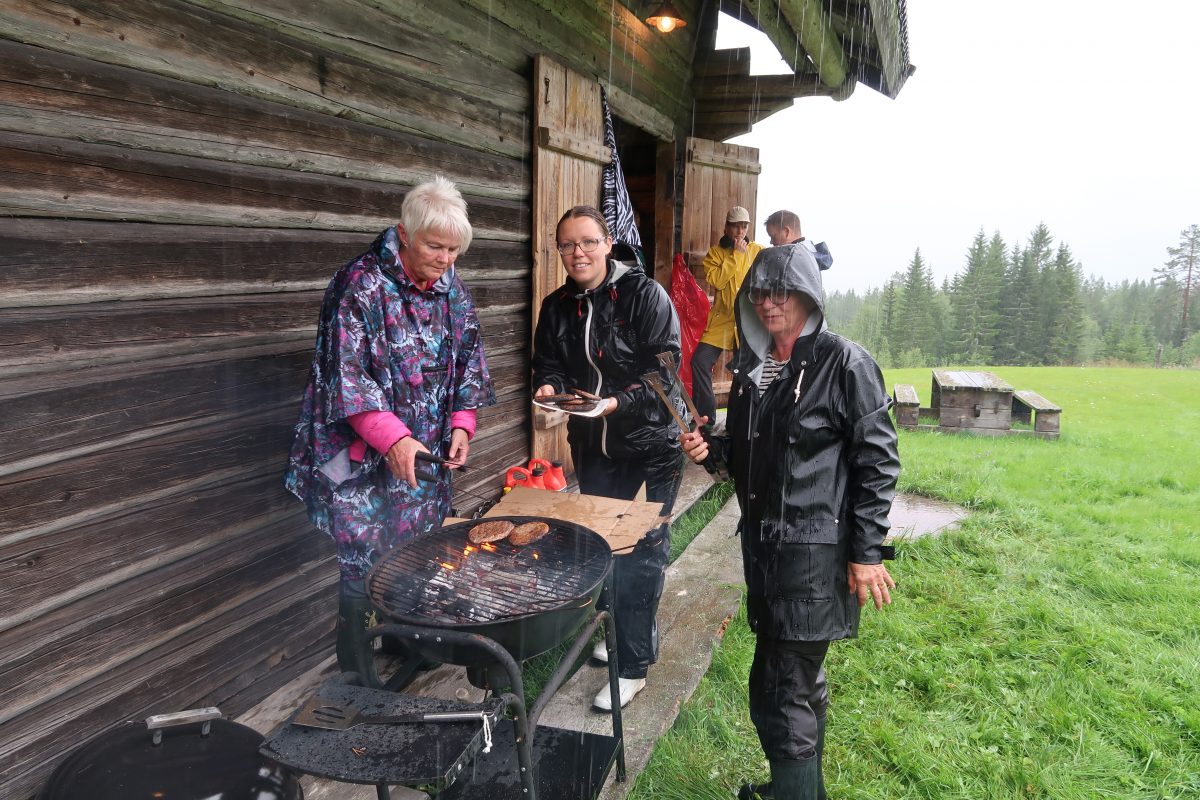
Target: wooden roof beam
(751,87)
(804,36)
(889,25)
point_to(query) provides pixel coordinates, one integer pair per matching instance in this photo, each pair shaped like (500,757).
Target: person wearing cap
(783,227)
(812,452)
(725,267)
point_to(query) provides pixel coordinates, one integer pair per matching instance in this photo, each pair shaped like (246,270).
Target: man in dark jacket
(812,451)
(601,331)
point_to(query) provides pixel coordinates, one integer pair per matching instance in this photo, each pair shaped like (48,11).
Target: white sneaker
(628,687)
(600,653)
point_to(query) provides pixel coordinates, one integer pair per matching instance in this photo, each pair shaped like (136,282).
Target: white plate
(596,410)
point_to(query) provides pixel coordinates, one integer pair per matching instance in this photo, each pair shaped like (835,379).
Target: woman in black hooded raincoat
(812,452)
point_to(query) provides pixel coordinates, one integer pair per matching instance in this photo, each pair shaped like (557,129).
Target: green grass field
(1048,649)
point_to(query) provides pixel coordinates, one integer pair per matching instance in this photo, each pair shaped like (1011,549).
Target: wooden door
(568,156)
(716,177)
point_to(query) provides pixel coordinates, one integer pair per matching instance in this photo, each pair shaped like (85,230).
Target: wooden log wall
(178,181)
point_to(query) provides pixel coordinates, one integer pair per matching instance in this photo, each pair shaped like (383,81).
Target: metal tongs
(667,359)
(654,381)
(430,458)
(330,716)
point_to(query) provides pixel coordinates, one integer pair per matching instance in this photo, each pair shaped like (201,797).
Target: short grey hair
(437,205)
(784,219)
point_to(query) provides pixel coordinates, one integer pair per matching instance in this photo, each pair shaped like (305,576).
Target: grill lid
(441,578)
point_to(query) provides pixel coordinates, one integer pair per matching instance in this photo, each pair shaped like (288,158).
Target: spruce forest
(1028,304)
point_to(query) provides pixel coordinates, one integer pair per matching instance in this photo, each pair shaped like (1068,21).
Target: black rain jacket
(603,341)
(813,459)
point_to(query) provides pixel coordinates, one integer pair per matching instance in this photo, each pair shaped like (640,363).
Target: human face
(785,320)
(428,254)
(779,235)
(586,269)
(736,230)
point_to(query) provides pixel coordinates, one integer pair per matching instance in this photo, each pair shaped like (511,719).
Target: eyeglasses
(760,294)
(586,245)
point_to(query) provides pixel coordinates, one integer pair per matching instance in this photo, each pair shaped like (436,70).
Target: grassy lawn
(1050,648)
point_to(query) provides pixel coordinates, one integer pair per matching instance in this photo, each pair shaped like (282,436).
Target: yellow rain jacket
(724,270)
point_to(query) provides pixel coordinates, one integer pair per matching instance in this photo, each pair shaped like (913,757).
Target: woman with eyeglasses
(812,452)
(602,331)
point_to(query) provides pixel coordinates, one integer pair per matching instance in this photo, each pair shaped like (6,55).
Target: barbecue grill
(527,599)
(189,755)
(487,607)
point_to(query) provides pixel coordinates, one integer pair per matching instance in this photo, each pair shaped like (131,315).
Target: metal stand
(449,757)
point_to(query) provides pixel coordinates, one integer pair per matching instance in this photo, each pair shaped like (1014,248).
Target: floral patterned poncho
(383,345)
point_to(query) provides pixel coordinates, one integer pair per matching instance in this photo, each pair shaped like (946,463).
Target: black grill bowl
(527,605)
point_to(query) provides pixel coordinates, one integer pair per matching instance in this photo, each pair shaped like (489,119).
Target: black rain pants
(704,358)
(788,696)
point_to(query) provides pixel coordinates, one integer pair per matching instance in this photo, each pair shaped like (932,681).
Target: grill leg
(382,792)
(523,732)
(614,687)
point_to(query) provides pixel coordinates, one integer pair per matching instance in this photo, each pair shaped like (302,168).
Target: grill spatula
(321,713)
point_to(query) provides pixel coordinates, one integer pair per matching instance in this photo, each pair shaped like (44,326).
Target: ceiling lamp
(666,18)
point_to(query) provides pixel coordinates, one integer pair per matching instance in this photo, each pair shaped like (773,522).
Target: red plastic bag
(691,304)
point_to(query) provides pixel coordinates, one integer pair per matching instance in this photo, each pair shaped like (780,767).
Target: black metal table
(524,761)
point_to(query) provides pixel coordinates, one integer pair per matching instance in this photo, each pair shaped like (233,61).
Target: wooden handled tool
(667,359)
(655,383)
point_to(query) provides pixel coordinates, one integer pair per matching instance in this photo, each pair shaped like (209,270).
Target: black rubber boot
(355,652)
(755,791)
(796,780)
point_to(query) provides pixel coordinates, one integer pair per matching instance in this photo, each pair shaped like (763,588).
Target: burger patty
(492,531)
(528,533)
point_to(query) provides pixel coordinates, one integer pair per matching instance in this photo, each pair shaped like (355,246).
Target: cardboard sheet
(622,523)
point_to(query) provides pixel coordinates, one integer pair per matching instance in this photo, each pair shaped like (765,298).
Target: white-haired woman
(398,369)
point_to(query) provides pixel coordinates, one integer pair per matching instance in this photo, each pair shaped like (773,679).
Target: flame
(491,548)
(535,555)
(448,565)
(468,550)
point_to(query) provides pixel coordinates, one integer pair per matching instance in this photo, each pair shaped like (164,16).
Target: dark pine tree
(915,324)
(1064,324)
(889,313)
(972,298)
(1184,266)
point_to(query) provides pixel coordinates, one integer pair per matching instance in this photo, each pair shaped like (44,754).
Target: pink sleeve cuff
(465,420)
(379,429)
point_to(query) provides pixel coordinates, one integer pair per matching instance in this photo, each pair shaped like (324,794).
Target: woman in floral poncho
(398,368)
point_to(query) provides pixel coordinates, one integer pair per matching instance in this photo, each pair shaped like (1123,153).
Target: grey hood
(792,267)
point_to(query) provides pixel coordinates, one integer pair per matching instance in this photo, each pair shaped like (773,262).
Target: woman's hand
(544,390)
(695,446)
(460,445)
(871,581)
(610,405)
(401,459)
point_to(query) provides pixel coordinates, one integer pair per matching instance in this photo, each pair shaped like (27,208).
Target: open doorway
(649,167)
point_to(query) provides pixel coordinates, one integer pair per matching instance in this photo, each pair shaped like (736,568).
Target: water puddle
(914,516)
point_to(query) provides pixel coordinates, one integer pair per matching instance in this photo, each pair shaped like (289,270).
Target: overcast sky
(1076,113)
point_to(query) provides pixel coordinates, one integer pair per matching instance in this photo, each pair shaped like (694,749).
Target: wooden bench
(1027,403)
(908,405)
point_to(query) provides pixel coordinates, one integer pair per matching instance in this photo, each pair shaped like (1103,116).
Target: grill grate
(442,579)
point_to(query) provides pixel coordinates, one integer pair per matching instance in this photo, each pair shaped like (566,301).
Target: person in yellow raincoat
(725,268)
